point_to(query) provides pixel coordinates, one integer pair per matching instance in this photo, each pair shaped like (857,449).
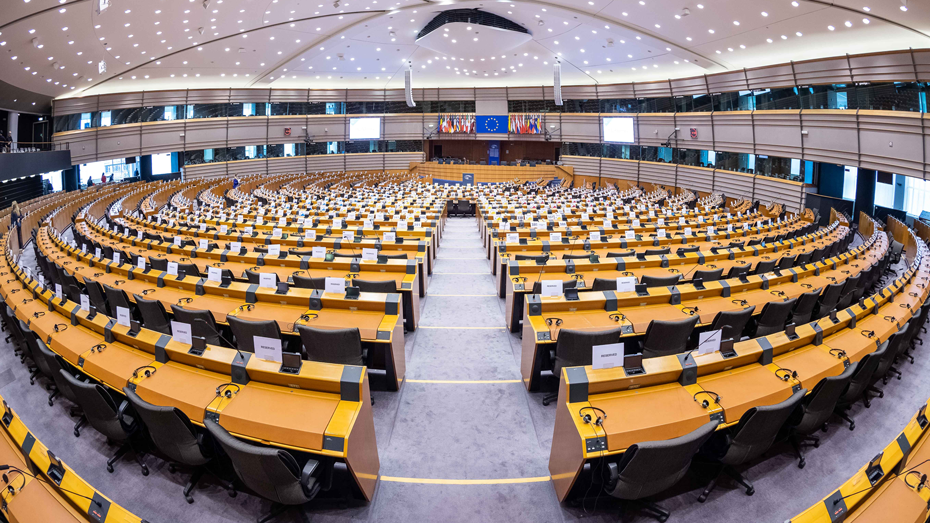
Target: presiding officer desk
(584,272)
(663,403)
(602,310)
(323,410)
(39,488)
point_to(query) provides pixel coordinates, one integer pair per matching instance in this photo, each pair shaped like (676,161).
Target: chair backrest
(340,346)
(201,321)
(116,298)
(573,348)
(252,276)
(385,286)
(849,292)
(786,262)
(738,270)
(604,284)
(896,344)
(804,307)
(269,472)
(567,284)
(170,430)
(95,294)
(660,281)
(733,323)
(625,254)
(803,259)
(758,428)
(668,337)
(575,256)
(244,330)
(189,269)
(159,264)
(153,313)
(862,377)
(543,257)
(774,316)
(819,404)
(709,275)
(304,282)
(653,466)
(765,266)
(829,298)
(98,407)
(657,252)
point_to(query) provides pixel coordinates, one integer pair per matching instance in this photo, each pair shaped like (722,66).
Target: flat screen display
(364,128)
(618,129)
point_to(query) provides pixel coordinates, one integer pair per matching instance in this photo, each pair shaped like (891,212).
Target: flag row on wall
(456,123)
(520,123)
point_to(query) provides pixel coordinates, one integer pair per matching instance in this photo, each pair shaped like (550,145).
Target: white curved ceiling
(53,47)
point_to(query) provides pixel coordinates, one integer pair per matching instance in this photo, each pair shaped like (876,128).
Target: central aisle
(462,415)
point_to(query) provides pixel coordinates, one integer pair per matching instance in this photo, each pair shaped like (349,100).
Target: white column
(12,127)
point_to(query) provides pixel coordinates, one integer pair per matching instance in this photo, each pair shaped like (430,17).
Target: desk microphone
(688,354)
(23,472)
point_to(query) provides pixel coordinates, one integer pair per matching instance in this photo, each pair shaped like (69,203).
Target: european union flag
(491,124)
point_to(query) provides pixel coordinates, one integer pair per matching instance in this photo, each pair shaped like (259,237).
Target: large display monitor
(364,128)
(618,129)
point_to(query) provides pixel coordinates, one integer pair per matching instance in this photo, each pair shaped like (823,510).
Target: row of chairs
(649,468)
(284,477)
(663,338)
(339,346)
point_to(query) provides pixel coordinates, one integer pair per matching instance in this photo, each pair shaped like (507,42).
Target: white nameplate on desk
(122,316)
(370,254)
(555,237)
(203,244)
(318,252)
(85,303)
(551,288)
(630,235)
(181,332)
(214,274)
(607,356)
(626,284)
(709,342)
(267,348)
(390,237)
(336,285)
(274,250)
(172,268)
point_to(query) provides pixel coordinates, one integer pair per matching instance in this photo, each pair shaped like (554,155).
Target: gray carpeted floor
(490,430)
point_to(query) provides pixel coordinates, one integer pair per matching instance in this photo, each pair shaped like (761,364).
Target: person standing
(103,178)
(16,218)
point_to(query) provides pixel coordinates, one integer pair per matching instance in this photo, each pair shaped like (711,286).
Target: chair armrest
(121,414)
(307,473)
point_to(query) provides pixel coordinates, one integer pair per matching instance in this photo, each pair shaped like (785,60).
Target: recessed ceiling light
(830,27)
(848,23)
(711,31)
(865,21)
(700,6)
(866,9)
(688,38)
(795,4)
(764,13)
(769,40)
(783,37)
(735,22)
(903,8)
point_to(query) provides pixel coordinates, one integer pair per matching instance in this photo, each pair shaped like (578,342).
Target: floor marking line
(463,273)
(427,481)
(464,295)
(478,258)
(473,328)
(462,382)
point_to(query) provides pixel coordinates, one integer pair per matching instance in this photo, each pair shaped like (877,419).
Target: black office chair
(733,323)
(119,298)
(245,330)
(304,282)
(189,269)
(575,256)
(765,266)
(604,284)
(708,275)
(739,270)
(252,276)
(754,434)
(339,346)
(668,337)
(786,262)
(803,259)
(154,316)
(896,345)
(96,297)
(660,281)
(385,286)
(804,307)
(860,381)
(772,319)
(63,387)
(568,284)
(116,423)
(273,474)
(657,252)
(159,264)
(175,437)
(828,299)
(625,254)
(651,467)
(689,249)
(849,292)
(574,349)
(815,410)
(201,321)
(541,258)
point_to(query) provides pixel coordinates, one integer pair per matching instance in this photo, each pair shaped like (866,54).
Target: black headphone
(691,311)
(58,327)
(98,347)
(225,390)
(788,374)
(599,420)
(704,403)
(148,373)
(185,300)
